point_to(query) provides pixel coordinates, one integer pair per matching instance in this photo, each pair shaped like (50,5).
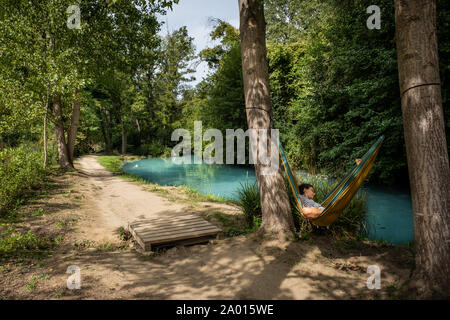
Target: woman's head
(306,190)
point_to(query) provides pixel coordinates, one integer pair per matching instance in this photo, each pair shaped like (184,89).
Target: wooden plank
(176,238)
(153,237)
(145,232)
(149,236)
(165,219)
(170,216)
(174,229)
(157,220)
(151,226)
(187,242)
(138,239)
(174,225)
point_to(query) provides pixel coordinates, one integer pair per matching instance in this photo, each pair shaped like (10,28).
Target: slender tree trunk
(63,152)
(138,126)
(276,211)
(426,147)
(103,128)
(45,127)
(106,129)
(124,139)
(72,133)
(123,149)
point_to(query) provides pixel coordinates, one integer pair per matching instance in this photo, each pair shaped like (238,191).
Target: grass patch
(61,224)
(59,294)
(232,225)
(28,245)
(34,281)
(196,196)
(84,244)
(112,163)
(396,291)
(37,213)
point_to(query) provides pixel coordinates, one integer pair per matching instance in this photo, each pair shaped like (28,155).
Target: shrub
(21,170)
(142,150)
(249,201)
(155,149)
(23,245)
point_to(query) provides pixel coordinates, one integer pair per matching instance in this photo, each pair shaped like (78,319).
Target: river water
(389,210)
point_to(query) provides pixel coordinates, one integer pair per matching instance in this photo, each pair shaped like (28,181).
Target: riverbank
(86,211)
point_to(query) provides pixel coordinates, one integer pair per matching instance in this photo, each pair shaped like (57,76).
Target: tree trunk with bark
(426,147)
(124,137)
(74,120)
(276,211)
(63,152)
(45,127)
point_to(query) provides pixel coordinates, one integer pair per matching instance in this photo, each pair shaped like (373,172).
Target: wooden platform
(172,230)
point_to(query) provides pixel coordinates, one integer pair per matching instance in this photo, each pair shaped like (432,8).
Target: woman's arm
(311,213)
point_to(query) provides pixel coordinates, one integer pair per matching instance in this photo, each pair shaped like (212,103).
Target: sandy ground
(94,204)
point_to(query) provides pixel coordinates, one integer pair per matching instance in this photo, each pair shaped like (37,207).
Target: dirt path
(114,202)
(243,267)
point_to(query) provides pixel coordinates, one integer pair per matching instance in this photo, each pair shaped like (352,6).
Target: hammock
(342,194)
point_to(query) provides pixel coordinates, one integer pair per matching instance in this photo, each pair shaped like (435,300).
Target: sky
(194,14)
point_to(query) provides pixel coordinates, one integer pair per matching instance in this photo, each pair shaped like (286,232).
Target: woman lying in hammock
(311,209)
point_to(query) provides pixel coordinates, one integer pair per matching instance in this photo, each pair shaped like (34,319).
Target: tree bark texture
(63,152)
(74,120)
(426,147)
(276,212)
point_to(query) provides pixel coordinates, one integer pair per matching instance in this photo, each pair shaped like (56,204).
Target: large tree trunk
(276,211)
(426,147)
(63,152)
(75,119)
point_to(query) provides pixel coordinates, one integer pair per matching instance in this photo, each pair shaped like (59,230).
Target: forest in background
(334,82)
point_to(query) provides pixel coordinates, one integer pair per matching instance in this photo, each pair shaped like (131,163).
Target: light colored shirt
(308,203)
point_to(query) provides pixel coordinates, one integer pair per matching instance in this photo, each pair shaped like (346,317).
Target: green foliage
(112,163)
(21,171)
(28,245)
(250,202)
(335,91)
(154,149)
(221,92)
(334,84)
